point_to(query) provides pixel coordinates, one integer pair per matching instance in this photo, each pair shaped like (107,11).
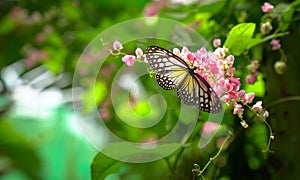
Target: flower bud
(217,42)
(139,52)
(265,28)
(117,45)
(280,67)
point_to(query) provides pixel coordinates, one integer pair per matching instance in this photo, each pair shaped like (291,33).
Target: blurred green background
(40,43)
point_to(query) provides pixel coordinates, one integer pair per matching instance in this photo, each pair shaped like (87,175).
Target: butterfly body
(173,72)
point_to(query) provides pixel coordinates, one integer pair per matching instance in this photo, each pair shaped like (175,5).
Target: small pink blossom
(251,78)
(191,57)
(117,45)
(184,50)
(232,84)
(230,58)
(217,42)
(152,9)
(209,127)
(267,7)
(139,52)
(248,98)
(241,93)
(213,68)
(202,51)
(238,109)
(128,59)
(258,106)
(233,95)
(275,44)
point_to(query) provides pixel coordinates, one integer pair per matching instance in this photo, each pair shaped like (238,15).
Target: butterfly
(173,72)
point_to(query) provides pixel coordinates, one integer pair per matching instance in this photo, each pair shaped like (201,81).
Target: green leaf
(284,13)
(6,26)
(103,166)
(239,37)
(287,17)
(15,150)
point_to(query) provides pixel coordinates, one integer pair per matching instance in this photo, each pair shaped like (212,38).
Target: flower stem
(200,172)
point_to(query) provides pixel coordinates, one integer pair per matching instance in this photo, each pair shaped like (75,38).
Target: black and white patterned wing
(173,72)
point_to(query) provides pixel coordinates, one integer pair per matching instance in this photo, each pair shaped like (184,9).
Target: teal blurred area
(40,43)
(39,137)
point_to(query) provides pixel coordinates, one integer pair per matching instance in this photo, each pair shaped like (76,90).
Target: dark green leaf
(103,166)
(18,151)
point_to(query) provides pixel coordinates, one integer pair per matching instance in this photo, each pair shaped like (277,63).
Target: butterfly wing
(173,72)
(208,99)
(169,68)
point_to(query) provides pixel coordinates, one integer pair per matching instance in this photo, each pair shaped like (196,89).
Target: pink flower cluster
(130,59)
(34,56)
(217,69)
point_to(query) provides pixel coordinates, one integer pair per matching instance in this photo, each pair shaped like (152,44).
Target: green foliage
(103,166)
(60,30)
(18,151)
(238,38)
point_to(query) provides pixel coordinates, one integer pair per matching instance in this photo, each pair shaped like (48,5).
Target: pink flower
(230,58)
(151,9)
(117,46)
(217,42)
(238,109)
(248,98)
(213,68)
(267,7)
(191,57)
(232,84)
(139,52)
(275,44)
(184,50)
(128,59)
(209,127)
(258,106)
(241,93)
(233,95)
(251,78)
